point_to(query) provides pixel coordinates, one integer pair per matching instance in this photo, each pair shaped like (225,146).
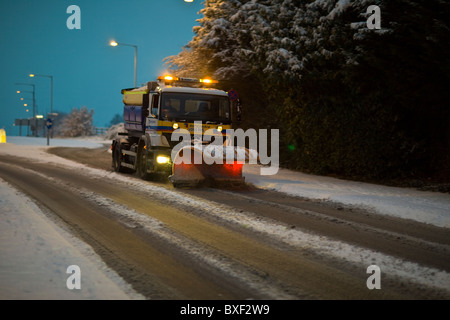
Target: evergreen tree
(118,118)
(348,100)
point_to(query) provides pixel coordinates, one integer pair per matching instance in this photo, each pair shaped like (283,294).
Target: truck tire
(117,158)
(143,165)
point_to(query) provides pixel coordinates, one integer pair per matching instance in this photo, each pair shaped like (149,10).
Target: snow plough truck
(177,127)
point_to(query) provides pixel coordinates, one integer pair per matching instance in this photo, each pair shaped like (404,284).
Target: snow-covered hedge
(113,131)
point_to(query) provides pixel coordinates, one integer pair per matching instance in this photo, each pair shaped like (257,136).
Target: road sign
(232,94)
(49,123)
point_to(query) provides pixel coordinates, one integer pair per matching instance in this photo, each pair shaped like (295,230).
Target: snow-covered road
(407,203)
(37,251)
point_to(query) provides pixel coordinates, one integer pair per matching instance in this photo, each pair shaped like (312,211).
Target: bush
(77,123)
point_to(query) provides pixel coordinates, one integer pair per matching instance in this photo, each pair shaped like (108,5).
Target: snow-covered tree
(212,49)
(113,131)
(337,89)
(78,123)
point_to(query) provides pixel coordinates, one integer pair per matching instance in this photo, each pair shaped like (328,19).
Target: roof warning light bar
(168,79)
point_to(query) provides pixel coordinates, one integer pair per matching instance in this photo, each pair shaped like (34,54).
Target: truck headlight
(162,159)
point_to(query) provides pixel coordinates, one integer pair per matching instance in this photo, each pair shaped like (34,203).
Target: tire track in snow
(411,272)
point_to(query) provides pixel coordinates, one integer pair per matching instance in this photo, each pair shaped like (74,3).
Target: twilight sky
(86,71)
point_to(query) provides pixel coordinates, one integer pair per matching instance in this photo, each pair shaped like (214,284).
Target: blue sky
(86,71)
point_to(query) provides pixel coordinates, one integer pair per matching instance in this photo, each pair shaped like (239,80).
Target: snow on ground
(35,254)
(88,142)
(422,206)
(429,207)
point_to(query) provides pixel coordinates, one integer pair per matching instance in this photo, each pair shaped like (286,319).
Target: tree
(57,122)
(78,123)
(116,119)
(347,99)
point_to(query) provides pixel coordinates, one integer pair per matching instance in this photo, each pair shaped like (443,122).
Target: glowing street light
(32,92)
(113,43)
(22,99)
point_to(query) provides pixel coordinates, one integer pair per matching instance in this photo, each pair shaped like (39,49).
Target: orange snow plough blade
(189,171)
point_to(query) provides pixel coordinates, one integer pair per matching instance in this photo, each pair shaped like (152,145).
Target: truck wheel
(143,165)
(116,159)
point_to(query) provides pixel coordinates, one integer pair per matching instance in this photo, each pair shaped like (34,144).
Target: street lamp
(113,43)
(51,87)
(34,131)
(32,92)
(23,99)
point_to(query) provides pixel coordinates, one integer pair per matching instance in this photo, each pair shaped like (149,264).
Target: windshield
(190,107)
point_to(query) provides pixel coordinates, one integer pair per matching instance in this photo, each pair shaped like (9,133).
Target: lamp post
(113,43)
(25,104)
(34,95)
(51,87)
(34,131)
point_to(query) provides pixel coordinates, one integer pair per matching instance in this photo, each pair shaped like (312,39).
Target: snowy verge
(35,254)
(84,142)
(423,206)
